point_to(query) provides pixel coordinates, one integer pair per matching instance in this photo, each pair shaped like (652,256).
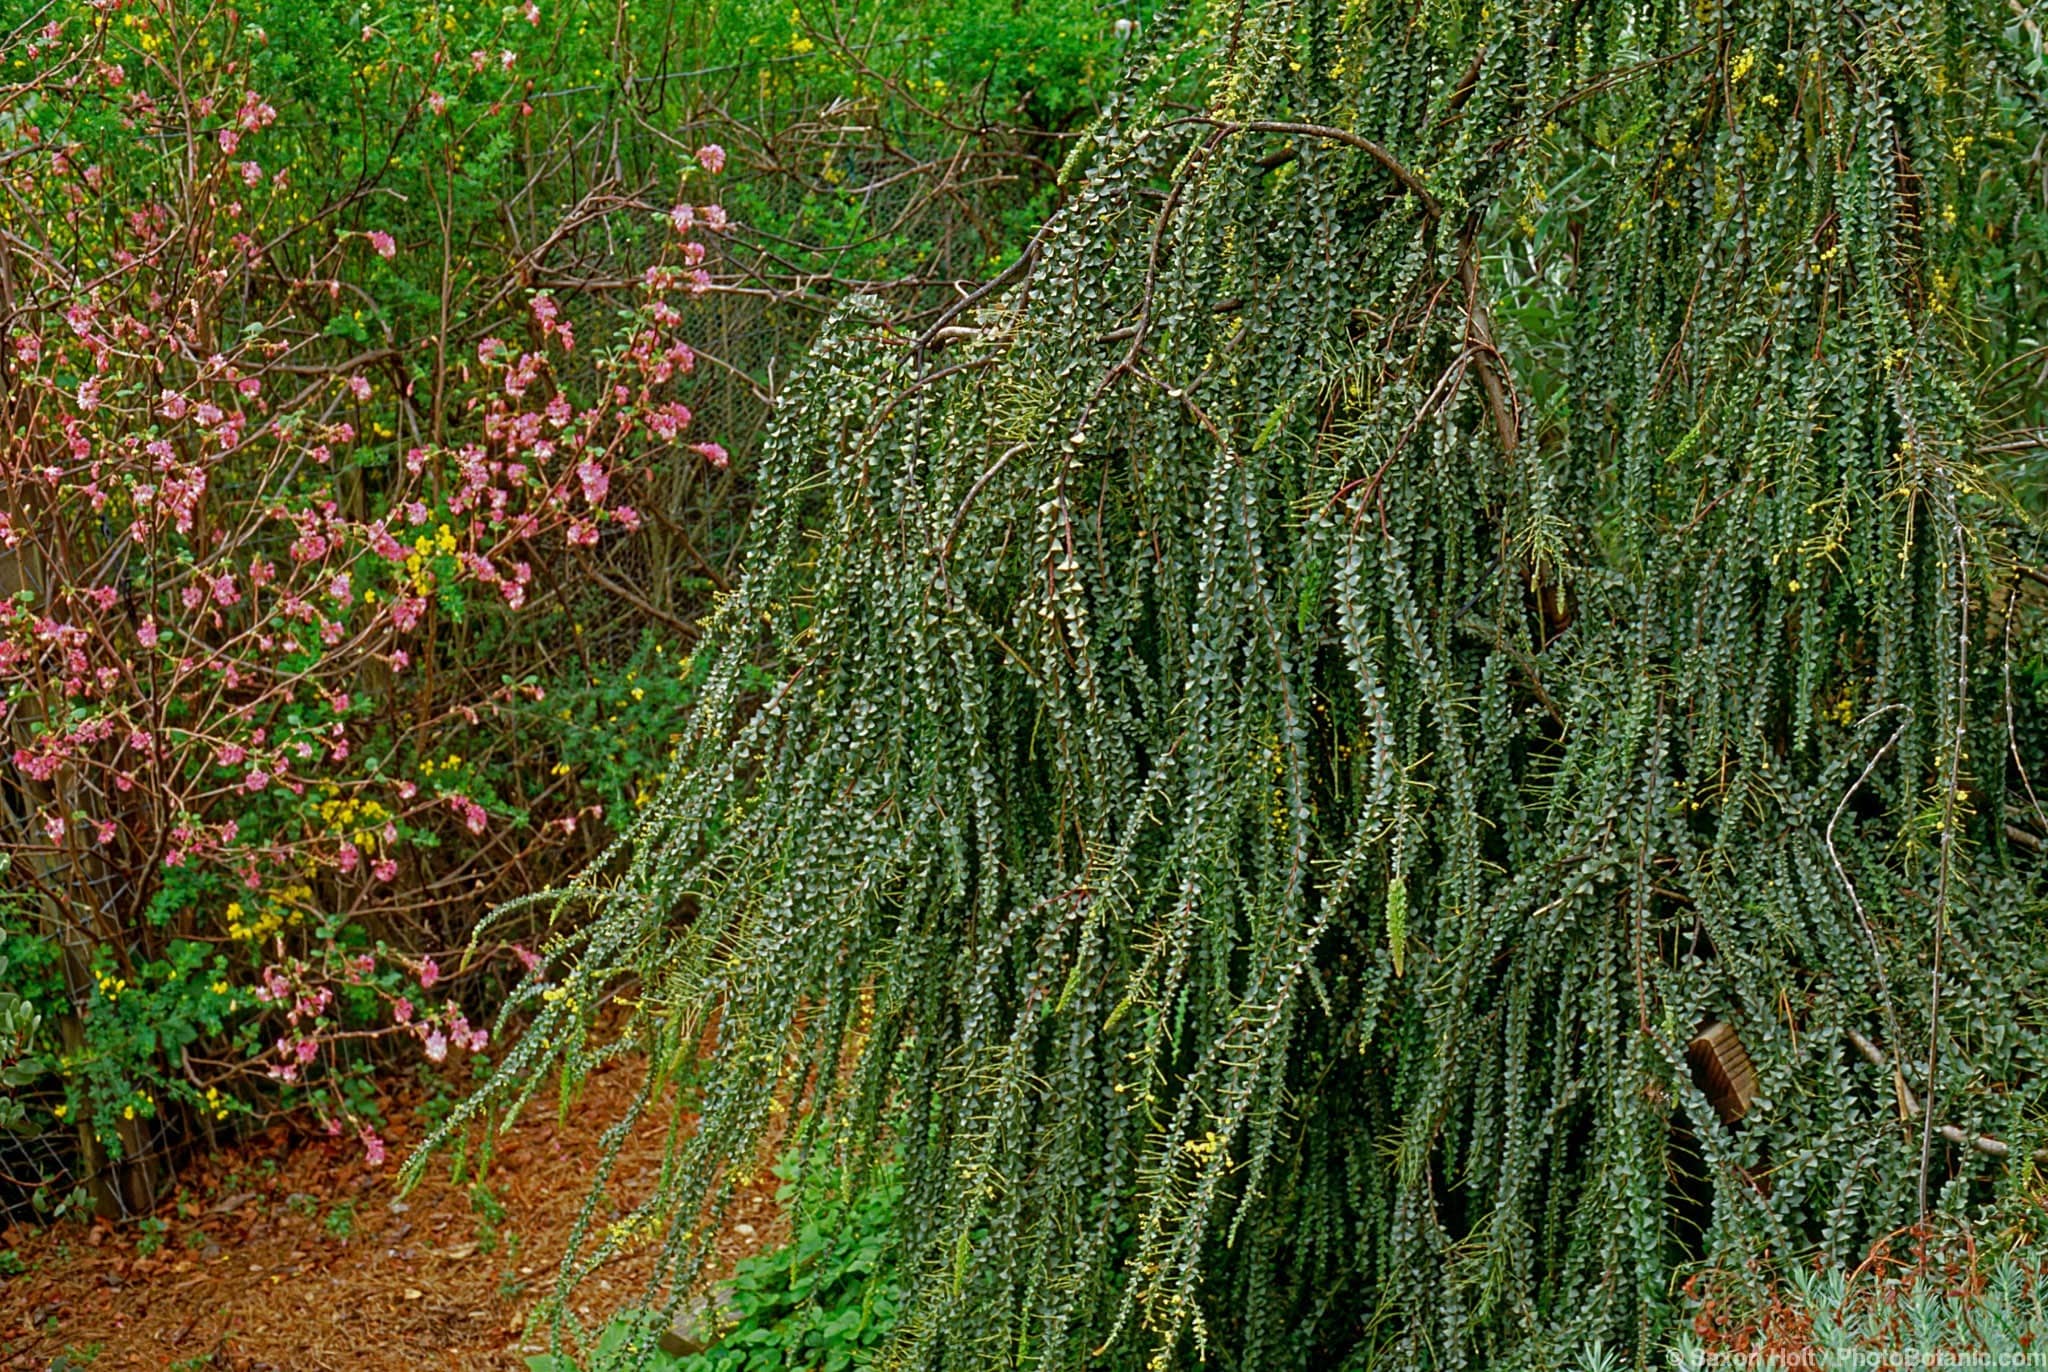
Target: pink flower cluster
(214,589)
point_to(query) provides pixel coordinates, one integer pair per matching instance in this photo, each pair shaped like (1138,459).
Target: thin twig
(1408,179)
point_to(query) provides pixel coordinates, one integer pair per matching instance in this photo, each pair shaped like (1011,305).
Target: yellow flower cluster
(237,929)
(146,40)
(442,542)
(359,819)
(287,908)
(633,1231)
(558,993)
(111,987)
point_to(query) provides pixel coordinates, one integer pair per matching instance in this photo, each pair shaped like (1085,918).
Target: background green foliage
(20,1063)
(890,149)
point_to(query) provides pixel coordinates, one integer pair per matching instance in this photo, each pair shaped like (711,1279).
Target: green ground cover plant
(829,1299)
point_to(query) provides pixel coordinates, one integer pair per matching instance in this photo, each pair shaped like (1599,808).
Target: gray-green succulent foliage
(1464,551)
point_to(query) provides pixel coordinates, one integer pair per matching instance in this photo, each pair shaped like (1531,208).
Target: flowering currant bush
(249,521)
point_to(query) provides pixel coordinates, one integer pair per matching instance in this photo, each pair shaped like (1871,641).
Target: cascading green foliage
(1455,560)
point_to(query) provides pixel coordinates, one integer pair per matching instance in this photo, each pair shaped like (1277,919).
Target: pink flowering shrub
(252,531)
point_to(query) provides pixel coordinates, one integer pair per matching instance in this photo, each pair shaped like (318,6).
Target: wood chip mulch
(292,1253)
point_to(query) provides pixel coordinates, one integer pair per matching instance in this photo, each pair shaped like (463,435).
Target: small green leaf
(1397,923)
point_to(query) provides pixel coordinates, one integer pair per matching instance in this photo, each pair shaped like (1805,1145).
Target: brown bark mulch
(292,1253)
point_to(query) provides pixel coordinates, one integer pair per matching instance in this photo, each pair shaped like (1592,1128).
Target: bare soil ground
(292,1253)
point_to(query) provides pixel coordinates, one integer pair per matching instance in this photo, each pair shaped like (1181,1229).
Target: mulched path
(292,1253)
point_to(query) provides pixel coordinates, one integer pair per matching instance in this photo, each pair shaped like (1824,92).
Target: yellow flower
(61,1111)
(220,988)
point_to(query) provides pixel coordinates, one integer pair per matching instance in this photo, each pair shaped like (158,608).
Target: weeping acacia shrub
(1454,562)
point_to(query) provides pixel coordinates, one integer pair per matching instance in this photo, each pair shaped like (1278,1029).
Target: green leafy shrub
(1471,548)
(825,1301)
(20,1064)
(615,729)
(240,574)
